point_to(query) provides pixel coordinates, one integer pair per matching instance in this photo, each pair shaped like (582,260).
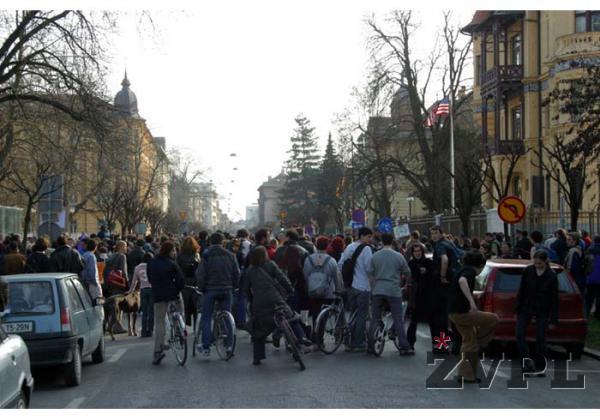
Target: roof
(36,276)
(506,263)
(483,16)
(125,100)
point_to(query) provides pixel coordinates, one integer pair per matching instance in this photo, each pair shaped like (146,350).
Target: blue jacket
(165,277)
(593,276)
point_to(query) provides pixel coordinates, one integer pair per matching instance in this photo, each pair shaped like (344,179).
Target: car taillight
(65,320)
(487,302)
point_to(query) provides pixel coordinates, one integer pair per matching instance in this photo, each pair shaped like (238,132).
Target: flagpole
(452,192)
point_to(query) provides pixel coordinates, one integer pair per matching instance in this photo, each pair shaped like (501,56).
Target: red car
(496,291)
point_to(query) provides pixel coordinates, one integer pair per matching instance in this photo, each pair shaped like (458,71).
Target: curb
(591,353)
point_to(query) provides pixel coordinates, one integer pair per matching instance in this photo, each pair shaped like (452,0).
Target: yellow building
(519,56)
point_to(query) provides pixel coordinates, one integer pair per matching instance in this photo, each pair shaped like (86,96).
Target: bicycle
(334,326)
(177,332)
(222,324)
(292,341)
(378,333)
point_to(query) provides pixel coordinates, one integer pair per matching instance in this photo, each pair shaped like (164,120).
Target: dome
(126,100)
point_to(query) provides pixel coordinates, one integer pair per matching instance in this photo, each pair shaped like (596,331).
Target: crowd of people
(430,279)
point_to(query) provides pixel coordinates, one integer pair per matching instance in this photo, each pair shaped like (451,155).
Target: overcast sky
(218,80)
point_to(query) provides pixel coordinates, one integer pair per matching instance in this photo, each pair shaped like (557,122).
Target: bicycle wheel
(377,339)
(179,340)
(291,340)
(330,331)
(224,323)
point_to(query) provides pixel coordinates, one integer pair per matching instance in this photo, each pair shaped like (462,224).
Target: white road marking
(118,354)
(75,403)
(422,334)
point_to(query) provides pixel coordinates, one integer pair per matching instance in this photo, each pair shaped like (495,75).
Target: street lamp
(410,200)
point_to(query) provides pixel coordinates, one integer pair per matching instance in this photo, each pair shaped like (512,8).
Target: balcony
(505,76)
(506,147)
(577,44)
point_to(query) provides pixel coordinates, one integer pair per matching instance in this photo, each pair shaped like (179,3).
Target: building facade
(269,205)
(519,56)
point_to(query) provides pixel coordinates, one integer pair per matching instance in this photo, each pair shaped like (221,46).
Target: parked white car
(16,382)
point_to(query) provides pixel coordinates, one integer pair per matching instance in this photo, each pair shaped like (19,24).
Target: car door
(81,327)
(94,323)
(9,373)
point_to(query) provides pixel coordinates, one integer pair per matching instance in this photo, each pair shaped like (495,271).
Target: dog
(115,306)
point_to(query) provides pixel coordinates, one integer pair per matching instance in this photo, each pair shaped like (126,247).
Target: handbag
(115,279)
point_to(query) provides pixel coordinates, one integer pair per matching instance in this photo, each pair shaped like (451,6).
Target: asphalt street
(127,379)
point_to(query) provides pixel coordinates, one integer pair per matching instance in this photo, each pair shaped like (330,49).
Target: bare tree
(394,65)
(53,59)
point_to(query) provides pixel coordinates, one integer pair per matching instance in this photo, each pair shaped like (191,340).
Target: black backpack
(348,266)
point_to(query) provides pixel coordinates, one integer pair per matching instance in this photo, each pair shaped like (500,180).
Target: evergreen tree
(330,188)
(298,197)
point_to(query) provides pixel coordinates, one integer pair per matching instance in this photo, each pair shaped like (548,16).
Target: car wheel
(576,350)
(22,401)
(73,369)
(98,354)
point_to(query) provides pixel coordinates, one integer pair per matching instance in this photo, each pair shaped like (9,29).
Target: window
(517,187)
(83,294)
(477,70)
(516,50)
(548,193)
(509,280)
(74,301)
(32,297)
(516,123)
(482,278)
(587,21)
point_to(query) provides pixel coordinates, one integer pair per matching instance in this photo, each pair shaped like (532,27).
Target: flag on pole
(431,116)
(443,108)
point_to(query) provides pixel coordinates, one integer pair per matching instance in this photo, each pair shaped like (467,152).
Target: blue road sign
(385,225)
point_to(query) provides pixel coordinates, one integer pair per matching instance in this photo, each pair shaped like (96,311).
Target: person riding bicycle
(267,288)
(218,275)
(167,283)
(385,272)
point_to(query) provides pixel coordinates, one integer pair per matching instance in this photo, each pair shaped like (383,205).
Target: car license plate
(17,327)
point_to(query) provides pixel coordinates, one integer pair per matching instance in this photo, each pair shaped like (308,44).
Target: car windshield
(509,280)
(32,297)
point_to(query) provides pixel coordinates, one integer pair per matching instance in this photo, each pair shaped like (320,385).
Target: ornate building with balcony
(519,56)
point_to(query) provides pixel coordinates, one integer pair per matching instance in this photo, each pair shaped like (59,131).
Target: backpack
(319,282)
(348,266)
(552,255)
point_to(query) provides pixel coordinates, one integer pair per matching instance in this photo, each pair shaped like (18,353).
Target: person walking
(218,275)
(475,327)
(116,267)
(290,259)
(360,289)
(38,261)
(574,261)
(523,246)
(323,279)
(592,257)
(89,274)
(421,293)
(140,278)
(167,282)
(135,257)
(64,259)
(537,297)
(188,261)
(385,272)
(336,248)
(267,288)
(304,241)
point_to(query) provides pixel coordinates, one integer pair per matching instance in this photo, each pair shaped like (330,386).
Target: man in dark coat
(64,259)
(135,257)
(290,259)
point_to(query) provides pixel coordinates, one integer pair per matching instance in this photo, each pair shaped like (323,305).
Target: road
(127,379)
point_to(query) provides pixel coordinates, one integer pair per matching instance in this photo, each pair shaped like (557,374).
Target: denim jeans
(541,322)
(208,306)
(147,309)
(359,300)
(395,304)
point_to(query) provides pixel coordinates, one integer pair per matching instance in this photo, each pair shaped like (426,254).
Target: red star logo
(442,342)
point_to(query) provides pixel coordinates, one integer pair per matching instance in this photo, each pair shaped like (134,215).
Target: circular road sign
(511,209)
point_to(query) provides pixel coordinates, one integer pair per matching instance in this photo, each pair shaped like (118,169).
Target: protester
(140,279)
(38,261)
(537,297)
(64,259)
(89,275)
(188,260)
(475,327)
(14,261)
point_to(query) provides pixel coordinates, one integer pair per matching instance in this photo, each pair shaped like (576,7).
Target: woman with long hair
(188,260)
